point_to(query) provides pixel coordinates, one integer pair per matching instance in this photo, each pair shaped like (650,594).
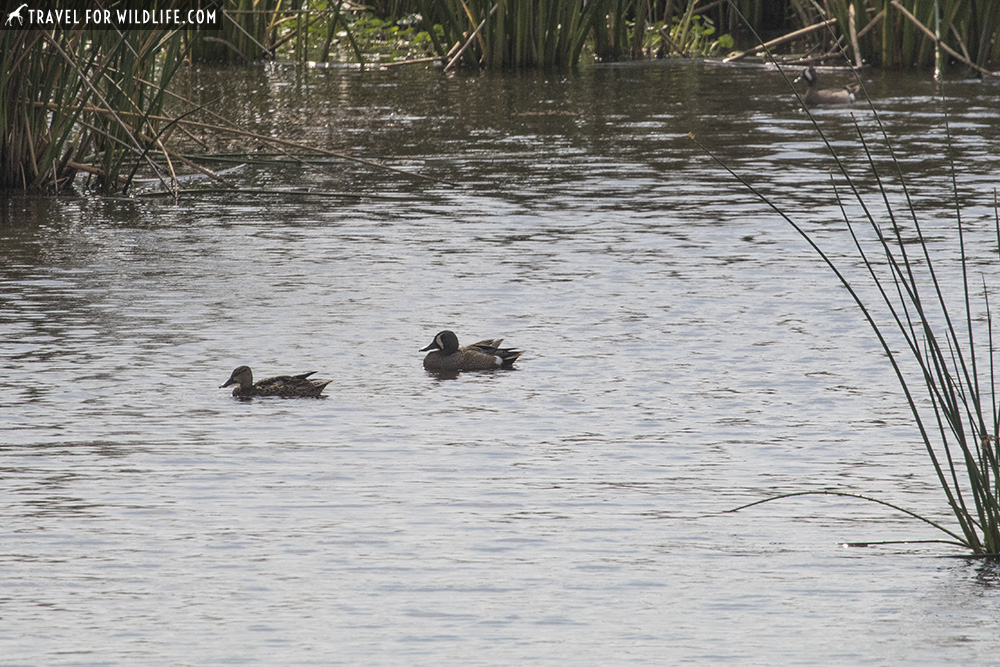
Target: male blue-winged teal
(285,386)
(446,355)
(816,97)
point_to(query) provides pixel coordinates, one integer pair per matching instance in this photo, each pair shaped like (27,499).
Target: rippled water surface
(686,353)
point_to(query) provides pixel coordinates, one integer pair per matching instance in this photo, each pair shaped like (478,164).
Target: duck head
(808,75)
(446,341)
(242,376)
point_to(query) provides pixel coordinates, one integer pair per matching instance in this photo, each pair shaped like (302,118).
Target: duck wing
(488,346)
(291,385)
(507,355)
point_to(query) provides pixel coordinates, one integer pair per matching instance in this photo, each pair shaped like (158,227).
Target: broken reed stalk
(767,46)
(937,39)
(475,35)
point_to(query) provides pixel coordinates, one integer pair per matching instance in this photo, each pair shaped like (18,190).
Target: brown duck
(828,96)
(446,355)
(285,386)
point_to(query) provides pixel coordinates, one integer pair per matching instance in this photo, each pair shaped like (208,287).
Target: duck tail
(509,356)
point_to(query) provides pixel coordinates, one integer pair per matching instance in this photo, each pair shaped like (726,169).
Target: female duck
(816,97)
(446,355)
(285,386)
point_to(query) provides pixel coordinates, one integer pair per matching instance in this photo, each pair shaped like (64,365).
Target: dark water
(686,353)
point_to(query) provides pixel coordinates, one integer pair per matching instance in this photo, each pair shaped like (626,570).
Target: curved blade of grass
(958,539)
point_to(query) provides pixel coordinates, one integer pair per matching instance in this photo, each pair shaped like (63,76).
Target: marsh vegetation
(90,101)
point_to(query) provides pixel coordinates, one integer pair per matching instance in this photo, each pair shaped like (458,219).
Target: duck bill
(432,346)
(228,382)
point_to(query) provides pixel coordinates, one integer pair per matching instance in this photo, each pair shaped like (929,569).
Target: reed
(941,348)
(687,34)
(388,9)
(554,33)
(254,30)
(80,101)
(889,34)
(610,30)
(249,33)
(508,34)
(512,34)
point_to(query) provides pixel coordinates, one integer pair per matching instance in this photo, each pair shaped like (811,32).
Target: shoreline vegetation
(91,101)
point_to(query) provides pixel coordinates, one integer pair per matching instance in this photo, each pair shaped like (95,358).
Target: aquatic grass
(933,345)
(91,102)
(956,418)
(904,33)
(254,30)
(248,33)
(509,34)
(77,101)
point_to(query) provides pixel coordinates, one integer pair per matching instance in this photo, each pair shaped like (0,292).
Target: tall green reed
(888,35)
(80,101)
(254,30)
(687,33)
(554,33)
(248,33)
(516,33)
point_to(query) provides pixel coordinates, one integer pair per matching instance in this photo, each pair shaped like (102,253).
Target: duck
(816,97)
(285,386)
(445,354)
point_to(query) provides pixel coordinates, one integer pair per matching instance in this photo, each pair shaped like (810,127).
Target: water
(686,353)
